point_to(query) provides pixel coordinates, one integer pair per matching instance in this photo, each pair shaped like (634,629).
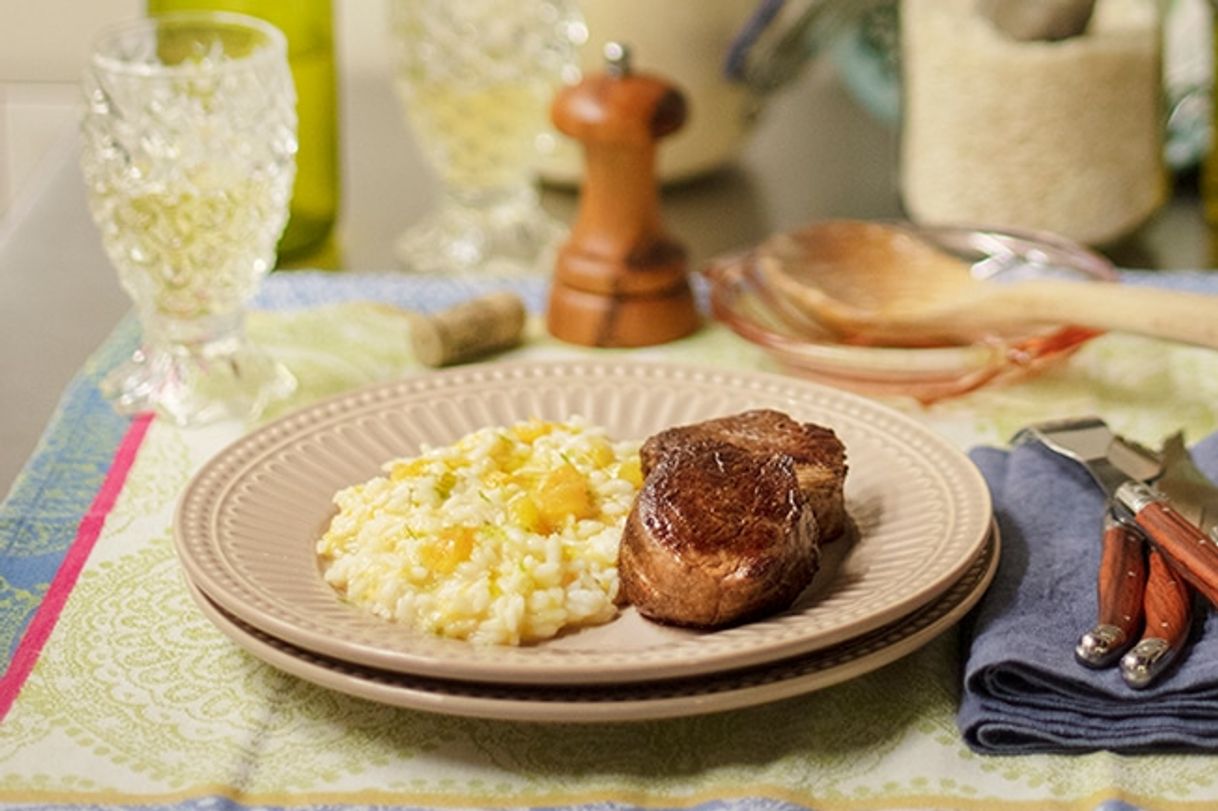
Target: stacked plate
(247,525)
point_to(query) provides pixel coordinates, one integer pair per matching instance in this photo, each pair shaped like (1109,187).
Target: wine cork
(468,330)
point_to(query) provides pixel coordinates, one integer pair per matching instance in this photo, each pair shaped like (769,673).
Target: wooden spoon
(884,284)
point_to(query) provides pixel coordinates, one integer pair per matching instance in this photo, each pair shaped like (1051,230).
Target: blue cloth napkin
(1023,690)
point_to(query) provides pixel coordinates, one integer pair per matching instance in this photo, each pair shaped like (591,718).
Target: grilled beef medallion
(718,535)
(819,456)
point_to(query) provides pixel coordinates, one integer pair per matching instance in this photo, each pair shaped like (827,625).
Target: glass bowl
(741,298)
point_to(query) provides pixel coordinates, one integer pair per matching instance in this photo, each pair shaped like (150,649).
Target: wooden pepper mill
(620,280)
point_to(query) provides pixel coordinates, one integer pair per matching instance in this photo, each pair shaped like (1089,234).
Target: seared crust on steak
(718,535)
(818,454)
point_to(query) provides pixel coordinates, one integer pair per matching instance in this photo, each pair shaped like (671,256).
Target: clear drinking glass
(189,137)
(476,79)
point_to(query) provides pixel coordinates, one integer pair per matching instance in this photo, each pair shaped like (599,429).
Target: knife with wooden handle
(1119,592)
(1168,607)
(1179,516)
(1090,442)
(1184,545)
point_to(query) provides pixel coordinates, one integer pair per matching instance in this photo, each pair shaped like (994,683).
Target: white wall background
(43,46)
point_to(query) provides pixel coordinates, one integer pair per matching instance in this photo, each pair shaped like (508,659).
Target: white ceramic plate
(634,702)
(246,526)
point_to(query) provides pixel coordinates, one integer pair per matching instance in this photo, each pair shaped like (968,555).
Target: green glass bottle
(309,28)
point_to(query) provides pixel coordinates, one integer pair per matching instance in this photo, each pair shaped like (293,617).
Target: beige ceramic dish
(246,526)
(636,702)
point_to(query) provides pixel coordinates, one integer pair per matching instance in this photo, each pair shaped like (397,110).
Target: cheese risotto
(507,536)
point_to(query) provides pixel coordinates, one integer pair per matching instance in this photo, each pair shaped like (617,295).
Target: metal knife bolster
(1194,557)
(1136,496)
(1146,660)
(1101,646)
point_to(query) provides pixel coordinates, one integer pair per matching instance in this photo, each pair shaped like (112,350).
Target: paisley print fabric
(137,700)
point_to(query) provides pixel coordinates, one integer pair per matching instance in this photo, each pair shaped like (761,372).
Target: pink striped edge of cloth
(87,533)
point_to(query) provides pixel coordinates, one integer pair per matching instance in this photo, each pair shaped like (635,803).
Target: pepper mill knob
(620,280)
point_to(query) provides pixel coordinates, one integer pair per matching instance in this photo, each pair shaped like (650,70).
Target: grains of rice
(507,536)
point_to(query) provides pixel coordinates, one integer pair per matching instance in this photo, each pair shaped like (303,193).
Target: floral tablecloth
(117,692)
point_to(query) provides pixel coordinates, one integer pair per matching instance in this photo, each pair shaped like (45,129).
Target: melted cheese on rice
(507,536)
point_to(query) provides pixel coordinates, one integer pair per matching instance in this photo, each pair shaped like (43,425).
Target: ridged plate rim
(711,693)
(274,484)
